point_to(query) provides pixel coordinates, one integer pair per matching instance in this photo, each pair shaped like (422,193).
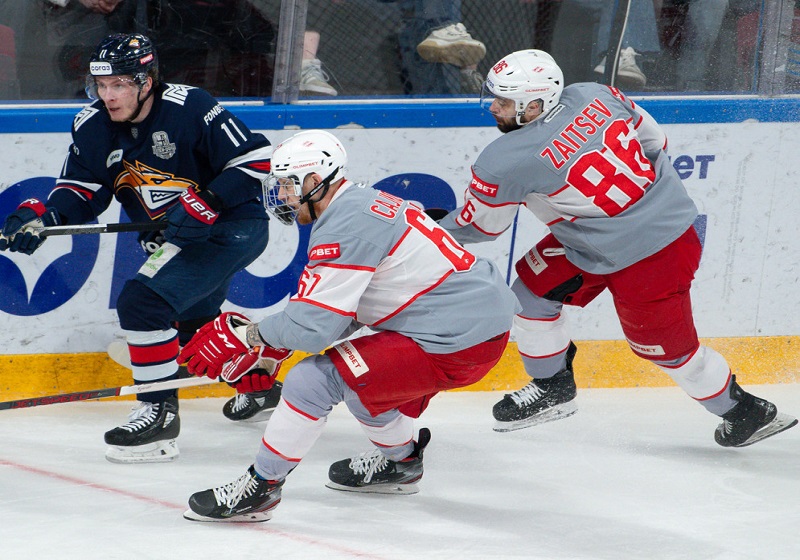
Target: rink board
(598,364)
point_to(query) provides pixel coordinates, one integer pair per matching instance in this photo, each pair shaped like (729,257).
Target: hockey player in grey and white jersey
(441,318)
(592,165)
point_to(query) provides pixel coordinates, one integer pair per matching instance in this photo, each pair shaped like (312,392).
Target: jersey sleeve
(240,158)
(324,308)
(80,195)
(651,136)
(487,211)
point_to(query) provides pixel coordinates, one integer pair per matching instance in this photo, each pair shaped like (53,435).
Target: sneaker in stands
(372,472)
(452,45)
(540,401)
(253,407)
(750,420)
(314,80)
(628,72)
(248,499)
(149,436)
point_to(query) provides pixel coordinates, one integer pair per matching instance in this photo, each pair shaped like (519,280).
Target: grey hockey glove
(22,228)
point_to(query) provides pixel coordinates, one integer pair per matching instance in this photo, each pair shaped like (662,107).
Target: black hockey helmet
(125,54)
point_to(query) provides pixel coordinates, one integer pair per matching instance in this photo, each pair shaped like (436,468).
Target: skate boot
(253,407)
(149,436)
(540,401)
(751,420)
(372,472)
(248,499)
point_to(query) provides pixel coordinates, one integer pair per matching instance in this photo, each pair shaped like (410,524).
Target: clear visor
(276,191)
(118,84)
(496,105)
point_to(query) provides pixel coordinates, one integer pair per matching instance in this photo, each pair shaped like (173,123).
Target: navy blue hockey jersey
(187,140)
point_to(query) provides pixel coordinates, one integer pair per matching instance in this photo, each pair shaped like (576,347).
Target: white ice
(635,474)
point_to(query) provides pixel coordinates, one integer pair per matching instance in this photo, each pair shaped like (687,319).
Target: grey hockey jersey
(594,169)
(377,260)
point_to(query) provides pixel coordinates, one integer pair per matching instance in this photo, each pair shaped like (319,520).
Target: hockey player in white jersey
(592,165)
(440,319)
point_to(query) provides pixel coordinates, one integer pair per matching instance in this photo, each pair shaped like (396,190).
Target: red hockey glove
(214,344)
(256,370)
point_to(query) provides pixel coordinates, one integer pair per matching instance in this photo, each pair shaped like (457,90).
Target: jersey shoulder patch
(176,93)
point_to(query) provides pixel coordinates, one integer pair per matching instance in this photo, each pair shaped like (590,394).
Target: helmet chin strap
(141,103)
(324,186)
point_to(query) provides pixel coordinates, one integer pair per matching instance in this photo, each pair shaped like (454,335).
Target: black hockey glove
(151,241)
(191,219)
(436,213)
(22,227)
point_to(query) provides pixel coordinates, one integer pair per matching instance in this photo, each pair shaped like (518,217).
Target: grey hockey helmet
(307,152)
(524,76)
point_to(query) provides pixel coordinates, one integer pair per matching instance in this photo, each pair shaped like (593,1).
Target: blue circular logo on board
(429,190)
(38,283)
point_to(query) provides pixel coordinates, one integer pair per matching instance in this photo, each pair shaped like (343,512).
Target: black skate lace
(527,394)
(232,493)
(369,463)
(141,415)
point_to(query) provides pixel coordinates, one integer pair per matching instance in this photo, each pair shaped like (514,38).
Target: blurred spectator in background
(700,32)
(223,46)
(438,55)
(12,22)
(74,27)
(583,55)
(313,79)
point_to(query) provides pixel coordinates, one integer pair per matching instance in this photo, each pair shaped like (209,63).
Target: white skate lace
(528,394)
(369,463)
(231,494)
(240,402)
(140,416)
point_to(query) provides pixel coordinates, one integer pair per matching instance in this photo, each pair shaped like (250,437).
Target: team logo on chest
(157,190)
(162,147)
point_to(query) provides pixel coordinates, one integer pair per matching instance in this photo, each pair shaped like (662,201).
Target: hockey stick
(102,228)
(110,392)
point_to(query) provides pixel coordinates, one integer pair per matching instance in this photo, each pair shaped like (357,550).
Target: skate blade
(780,423)
(550,415)
(410,488)
(254,517)
(260,416)
(158,452)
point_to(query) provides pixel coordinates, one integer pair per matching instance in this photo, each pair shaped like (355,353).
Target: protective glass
(275,187)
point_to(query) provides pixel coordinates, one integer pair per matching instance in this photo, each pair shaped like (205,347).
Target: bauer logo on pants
(352,358)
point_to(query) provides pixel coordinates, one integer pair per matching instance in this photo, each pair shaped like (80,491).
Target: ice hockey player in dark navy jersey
(592,165)
(169,153)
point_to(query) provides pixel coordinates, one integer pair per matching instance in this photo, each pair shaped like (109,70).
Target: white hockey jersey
(377,260)
(594,169)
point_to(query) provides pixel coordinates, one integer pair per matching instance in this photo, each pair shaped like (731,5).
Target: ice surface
(634,475)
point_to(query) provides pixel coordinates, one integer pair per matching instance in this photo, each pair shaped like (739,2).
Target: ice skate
(372,472)
(540,401)
(751,420)
(149,436)
(248,499)
(452,45)
(253,407)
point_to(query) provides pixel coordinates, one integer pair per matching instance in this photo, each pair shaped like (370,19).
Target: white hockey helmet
(524,76)
(307,152)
